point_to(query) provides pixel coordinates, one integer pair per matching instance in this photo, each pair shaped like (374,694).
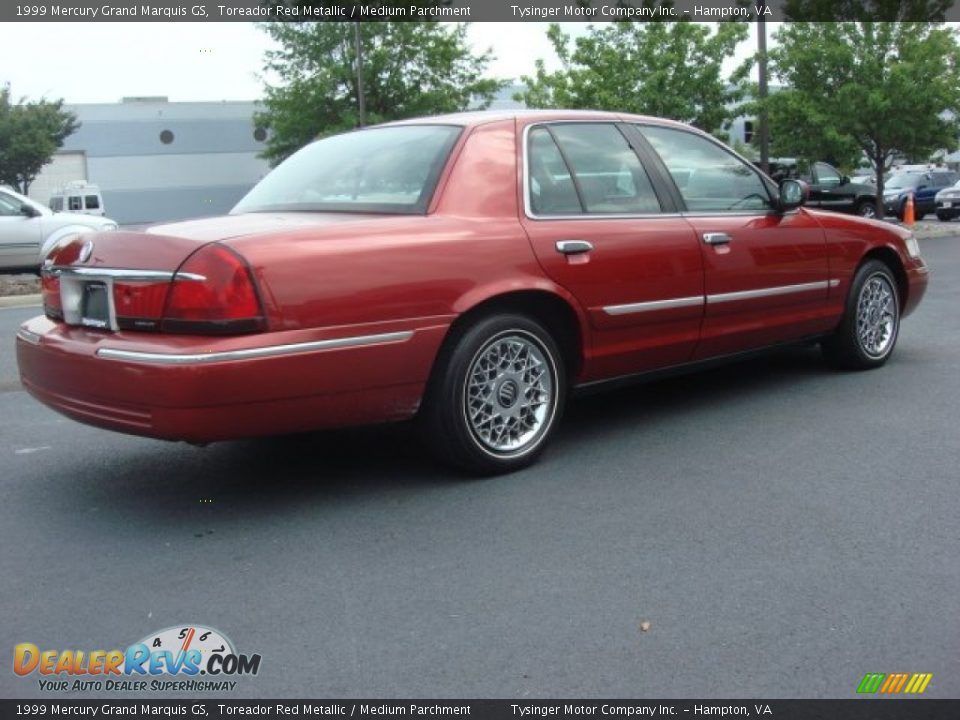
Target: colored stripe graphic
(871,682)
(895,683)
(918,683)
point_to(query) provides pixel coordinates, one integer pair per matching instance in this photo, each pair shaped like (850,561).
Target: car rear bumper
(202,389)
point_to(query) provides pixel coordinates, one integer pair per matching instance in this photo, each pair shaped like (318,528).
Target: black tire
(866,208)
(445,420)
(848,347)
(944,216)
(919,215)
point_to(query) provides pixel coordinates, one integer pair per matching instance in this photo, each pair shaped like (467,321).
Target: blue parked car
(923,185)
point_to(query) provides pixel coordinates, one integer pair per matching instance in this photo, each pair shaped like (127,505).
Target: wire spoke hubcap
(509,394)
(876,316)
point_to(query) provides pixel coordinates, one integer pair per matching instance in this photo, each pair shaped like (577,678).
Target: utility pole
(360,98)
(762,64)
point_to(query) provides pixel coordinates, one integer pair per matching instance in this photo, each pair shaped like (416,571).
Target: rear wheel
(868,332)
(944,216)
(496,396)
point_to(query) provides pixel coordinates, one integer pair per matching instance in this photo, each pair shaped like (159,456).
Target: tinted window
(943,179)
(9,205)
(710,178)
(552,191)
(75,202)
(608,175)
(391,170)
(826,175)
(56,204)
(92,202)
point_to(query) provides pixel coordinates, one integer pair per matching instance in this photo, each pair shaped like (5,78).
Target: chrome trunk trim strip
(121,274)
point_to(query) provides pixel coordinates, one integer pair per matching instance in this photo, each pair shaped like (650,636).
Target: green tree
(888,87)
(409,69)
(30,133)
(667,69)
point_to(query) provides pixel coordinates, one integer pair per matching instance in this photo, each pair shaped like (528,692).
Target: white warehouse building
(156,160)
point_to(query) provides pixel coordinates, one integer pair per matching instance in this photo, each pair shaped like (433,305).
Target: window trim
(768,184)
(663,194)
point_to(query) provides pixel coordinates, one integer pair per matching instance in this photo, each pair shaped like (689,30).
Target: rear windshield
(387,170)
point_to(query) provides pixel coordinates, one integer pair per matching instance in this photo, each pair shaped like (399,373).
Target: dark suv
(923,185)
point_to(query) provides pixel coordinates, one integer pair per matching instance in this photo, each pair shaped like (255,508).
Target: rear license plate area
(95,305)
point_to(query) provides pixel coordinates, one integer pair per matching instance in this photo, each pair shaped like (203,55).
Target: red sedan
(469,270)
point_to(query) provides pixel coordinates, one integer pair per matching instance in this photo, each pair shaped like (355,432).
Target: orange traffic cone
(908,211)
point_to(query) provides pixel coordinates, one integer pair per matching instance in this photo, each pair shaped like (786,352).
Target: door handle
(573,247)
(716,238)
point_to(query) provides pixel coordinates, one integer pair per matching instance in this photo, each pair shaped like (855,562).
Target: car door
(601,228)
(766,274)
(19,234)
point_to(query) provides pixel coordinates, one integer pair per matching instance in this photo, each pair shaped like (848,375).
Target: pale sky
(103,62)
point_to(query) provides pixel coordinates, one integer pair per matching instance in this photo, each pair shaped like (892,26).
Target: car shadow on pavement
(247,481)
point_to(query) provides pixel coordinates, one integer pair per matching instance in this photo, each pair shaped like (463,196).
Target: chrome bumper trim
(251,353)
(28,337)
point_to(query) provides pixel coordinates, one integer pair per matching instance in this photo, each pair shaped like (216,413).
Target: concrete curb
(19,300)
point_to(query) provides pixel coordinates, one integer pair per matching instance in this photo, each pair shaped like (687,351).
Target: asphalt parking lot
(783,528)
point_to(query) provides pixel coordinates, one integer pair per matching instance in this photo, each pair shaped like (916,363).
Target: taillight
(139,304)
(213,293)
(50,293)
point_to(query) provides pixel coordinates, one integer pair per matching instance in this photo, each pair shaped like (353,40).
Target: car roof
(482,117)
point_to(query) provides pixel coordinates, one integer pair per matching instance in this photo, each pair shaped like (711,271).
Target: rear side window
(76,202)
(943,179)
(552,191)
(56,204)
(709,178)
(587,167)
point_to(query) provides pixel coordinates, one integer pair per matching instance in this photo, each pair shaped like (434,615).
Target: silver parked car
(948,202)
(28,230)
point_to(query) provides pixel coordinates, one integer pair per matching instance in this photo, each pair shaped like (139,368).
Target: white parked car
(28,230)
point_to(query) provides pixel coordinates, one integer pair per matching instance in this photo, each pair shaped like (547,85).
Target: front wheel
(496,396)
(944,216)
(867,209)
(868,332)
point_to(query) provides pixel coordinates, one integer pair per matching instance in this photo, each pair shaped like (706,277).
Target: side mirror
(844,180)
(793,194)
(922,187)
(28,210)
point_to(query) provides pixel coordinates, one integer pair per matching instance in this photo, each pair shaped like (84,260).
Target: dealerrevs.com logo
(182,658)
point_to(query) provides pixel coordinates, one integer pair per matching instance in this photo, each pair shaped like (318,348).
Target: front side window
(710,178)
(9,205)
(826,175)
(589,168)
(383,170)
(92,202)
